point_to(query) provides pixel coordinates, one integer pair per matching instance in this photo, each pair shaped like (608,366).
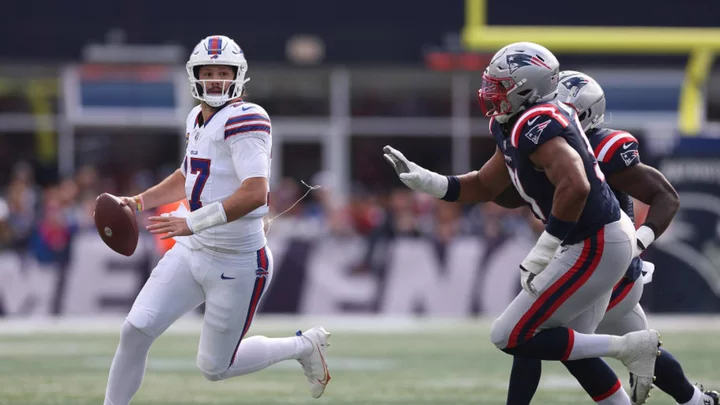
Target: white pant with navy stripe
(573,291)
(231,285)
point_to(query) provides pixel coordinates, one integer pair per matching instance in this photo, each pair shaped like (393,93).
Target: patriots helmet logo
(629,156)
(534,133)
(517,60)
(574,84)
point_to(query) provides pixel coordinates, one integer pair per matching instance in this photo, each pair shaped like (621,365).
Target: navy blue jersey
(616,151)
(520,137)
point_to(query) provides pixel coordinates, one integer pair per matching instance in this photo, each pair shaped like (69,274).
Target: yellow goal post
(701,44)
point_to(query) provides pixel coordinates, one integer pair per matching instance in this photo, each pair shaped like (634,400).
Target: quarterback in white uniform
(220,257)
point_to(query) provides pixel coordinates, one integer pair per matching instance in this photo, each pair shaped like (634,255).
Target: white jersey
(234,145)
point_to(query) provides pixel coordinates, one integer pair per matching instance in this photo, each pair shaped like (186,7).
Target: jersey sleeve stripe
(245,123)
(611,151)
(609,145)
(244,129)
(245,118)
(605,141)
(548,110)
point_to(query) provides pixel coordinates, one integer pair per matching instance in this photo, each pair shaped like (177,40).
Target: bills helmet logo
(534,133)
(574,84)
(629,156)
(214,47)
(517,60)
(260,272)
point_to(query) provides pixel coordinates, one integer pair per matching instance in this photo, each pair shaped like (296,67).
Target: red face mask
(492,96)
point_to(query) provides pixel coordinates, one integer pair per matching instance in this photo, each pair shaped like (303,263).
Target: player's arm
(251,158)
(477,186)
(565,170)
(251,195)
(170,190)
(485,184)
(648,185)
(510,198)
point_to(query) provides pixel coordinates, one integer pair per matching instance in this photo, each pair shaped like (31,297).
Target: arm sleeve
(251,157)
(248,134)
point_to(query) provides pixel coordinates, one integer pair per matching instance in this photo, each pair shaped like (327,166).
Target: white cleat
(638,355)
(314,364)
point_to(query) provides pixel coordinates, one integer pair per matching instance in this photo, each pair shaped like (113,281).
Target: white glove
(647,272)
(416,177)
(526,279)
(537,260)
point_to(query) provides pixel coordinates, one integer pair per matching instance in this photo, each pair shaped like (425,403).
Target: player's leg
(582,275)
(626,315)
(594,375)
(571,284)
(224,351)
(170,292)
(524,380)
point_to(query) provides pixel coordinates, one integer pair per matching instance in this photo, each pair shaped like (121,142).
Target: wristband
(559,228)
(645,235)
(453,189)
(139,203)
(207,217)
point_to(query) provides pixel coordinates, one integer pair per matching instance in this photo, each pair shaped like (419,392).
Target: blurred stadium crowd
(40,221)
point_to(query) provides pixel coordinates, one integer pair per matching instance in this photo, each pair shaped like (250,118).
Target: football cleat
(638,355)
(314,364)
(710,397)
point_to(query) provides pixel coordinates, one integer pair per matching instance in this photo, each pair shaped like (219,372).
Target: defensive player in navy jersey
(617,155)
(544,153)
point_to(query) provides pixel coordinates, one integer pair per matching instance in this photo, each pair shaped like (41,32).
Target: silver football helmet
(519,75)
(584,95)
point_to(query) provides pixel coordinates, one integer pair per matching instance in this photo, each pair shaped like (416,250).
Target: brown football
(116,224)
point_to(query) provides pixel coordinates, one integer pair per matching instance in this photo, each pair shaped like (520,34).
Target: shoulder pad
(617,151)
(610,144)
(537,125)
(246,118)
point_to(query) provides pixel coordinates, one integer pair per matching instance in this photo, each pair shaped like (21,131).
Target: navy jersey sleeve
(617,151)
(537,126)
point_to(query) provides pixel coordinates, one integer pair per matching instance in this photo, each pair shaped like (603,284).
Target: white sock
(128,366)
(258,352)
(589,346)
(697,398)
(619,397)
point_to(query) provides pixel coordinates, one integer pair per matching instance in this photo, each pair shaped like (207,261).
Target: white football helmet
(217,50)
(584,95)
(519,75)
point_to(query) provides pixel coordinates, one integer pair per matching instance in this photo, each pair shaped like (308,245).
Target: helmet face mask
(493,95)
(217,50)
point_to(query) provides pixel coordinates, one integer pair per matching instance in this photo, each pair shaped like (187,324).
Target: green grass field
(371,362)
